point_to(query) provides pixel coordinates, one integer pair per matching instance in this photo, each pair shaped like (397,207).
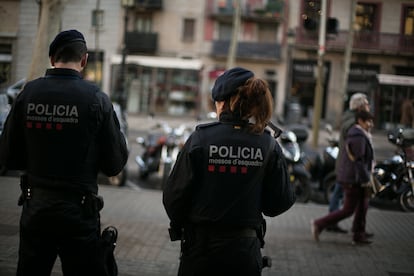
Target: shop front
(394,96)
(162,85)
(360,80)
(302,89)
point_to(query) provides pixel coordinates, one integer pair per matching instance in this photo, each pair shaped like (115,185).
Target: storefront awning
(160,62)
(358,86)
(395,80)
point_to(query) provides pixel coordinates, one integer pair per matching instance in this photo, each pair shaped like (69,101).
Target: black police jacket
(226,176)
(64,129)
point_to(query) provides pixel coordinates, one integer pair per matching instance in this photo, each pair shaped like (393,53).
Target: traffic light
(332,25)
(310,24)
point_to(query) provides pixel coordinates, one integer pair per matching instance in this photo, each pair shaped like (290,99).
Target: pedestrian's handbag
(108,242)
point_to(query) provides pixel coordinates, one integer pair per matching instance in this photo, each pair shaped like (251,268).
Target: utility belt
(223,232)
(207,232)
(218,231)
(91,203)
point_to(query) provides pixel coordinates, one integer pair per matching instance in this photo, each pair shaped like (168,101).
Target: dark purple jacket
(358,171)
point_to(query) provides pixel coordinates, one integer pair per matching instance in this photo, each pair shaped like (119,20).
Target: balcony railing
(137,42)
(148,4)
(381,43)
(259,13)
(248,50)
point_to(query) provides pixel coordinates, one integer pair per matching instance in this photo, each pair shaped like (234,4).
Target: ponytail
(253,100)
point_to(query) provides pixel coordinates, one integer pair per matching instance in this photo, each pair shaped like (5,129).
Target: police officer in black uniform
(227,175)
(61,132)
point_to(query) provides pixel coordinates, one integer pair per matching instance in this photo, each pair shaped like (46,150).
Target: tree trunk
(234,38)
(49,26)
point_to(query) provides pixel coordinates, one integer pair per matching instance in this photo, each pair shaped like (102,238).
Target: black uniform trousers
(51,227)
(205,253)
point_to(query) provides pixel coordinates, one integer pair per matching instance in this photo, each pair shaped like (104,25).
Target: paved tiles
(144,248)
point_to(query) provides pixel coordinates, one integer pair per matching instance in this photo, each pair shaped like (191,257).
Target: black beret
(226,84)
(64,38)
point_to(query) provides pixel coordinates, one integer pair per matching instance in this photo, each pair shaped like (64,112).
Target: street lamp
(122,94)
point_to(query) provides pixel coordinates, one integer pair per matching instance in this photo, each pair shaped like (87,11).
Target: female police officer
(228,173)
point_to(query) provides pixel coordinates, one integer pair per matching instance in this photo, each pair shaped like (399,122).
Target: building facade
(99,20)
(383,45)
(189,48)
(173,51)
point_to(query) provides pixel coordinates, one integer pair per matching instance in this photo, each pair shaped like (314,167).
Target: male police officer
(61,131)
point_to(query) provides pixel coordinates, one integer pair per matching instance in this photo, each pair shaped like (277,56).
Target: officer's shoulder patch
(206,125)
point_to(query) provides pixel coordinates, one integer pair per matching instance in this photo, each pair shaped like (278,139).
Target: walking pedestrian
(354,175)
(60,132)
(227,176)
(357,103)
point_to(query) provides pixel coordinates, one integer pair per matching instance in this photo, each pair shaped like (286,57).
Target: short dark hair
(71,52)
(363,115)
(68,46)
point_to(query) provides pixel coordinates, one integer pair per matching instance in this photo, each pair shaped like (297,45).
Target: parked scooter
(160,150)
(320,166)
(393,178)
(298,175)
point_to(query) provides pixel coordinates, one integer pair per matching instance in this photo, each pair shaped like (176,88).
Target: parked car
(14,89)
(4,110)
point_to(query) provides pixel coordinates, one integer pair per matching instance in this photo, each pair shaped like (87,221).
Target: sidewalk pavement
(144,248)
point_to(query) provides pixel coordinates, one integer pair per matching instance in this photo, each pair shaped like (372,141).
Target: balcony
(260,14)
(375,43)
(248,50)
(147,5)
(141,43)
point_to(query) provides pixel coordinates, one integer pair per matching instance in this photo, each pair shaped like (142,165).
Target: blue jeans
(337,195)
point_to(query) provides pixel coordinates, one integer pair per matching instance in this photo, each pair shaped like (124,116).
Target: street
(144,248)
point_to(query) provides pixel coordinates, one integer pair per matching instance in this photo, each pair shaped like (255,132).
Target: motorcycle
(298,174)
(161,150)
(321,167)
(393,178)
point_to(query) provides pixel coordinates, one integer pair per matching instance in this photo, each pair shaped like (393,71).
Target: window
(97,18)
(225,6)
(267,33)
(143,23)
(94,68)
(365,17)
(188,29)
(225,31)
(408,21)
